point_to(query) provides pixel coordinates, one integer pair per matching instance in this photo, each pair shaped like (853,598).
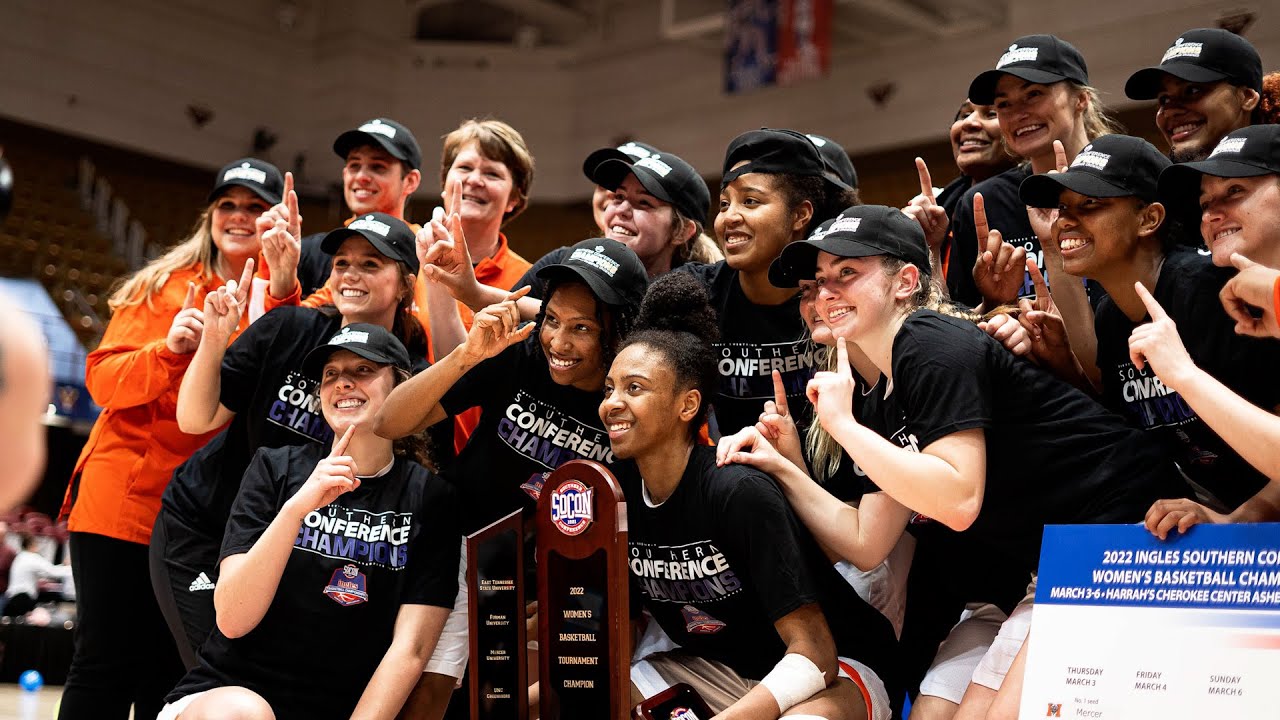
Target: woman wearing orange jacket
(124,654)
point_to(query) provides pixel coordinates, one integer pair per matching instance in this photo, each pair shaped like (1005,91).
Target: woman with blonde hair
(124,655)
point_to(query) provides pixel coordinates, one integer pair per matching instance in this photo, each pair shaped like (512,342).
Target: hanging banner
(776,42)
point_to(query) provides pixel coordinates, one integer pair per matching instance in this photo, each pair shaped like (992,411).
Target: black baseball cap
(667,177)
(1040,59)
(1111,166)
(836,158)
(1247,152)
(259,176)
(778,152)
(859,231)
(371,342)
(627,152)
(389,235)
(612,270)
(386,134)
(1202,55)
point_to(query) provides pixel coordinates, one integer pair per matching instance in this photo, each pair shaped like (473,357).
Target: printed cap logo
(349,336)
(1091,159)
(1179,50)
(376,126)
(596,258)
(368,222)
(654,163)
(634,150)
(1017,55)
(845,224)
(816,140)
(572,511)
(245,172)
(1229,145)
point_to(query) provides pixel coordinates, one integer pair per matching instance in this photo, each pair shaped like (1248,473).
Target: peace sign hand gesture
(1158,344)
(997,272)
(924,209)
(333,476)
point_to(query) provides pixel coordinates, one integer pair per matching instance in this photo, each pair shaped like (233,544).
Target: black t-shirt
(314,264)
(724,558)
(392,541)
(529,426)
(1188,290)
(1006,213)
(1054,455)
(754,341)
(275,403)
(950,196)
(538,286)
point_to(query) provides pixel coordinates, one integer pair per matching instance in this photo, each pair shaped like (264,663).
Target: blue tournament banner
(1129,626)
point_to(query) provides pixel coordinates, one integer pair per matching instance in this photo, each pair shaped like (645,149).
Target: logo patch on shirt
(700,623)
(533,486)
(368,223)
(571,508)
(1180,49)
(347,587)
(376,126)
(1017,55)
(1229,145)
(245,172)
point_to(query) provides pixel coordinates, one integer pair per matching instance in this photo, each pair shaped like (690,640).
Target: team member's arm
(945,480)
(808,667)
(416,632)
(415,404)
(199,408)
(1248,429)
(863,535)
(249,580)
(1255,288)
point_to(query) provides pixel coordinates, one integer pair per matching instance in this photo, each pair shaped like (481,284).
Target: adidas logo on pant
(202,582)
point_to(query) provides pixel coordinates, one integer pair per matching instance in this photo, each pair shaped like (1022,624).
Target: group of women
(878,382)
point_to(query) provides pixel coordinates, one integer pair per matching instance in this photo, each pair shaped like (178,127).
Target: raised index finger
(518,293)
(779,393)
(842,358)
(340,447)
(980,225)
(190,302)
(926,182)
(1060,156)
(1153,307)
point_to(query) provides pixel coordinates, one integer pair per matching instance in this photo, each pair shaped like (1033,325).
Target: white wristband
(793,680)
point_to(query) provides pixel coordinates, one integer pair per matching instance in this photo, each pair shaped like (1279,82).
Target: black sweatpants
(184,570)
(124,654)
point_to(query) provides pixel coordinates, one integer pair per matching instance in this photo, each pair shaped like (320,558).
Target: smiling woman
(259,385)
(289,553)
(123,655)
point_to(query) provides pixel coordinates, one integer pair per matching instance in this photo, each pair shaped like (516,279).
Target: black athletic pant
(124,654)
(184,570)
